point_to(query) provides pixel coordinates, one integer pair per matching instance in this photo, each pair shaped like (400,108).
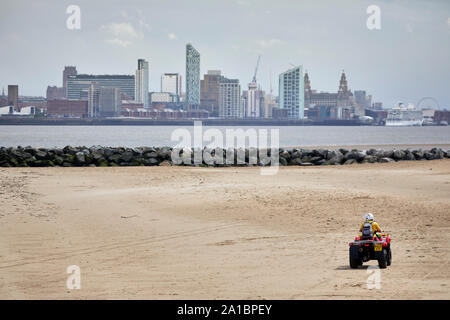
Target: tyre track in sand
(118,245)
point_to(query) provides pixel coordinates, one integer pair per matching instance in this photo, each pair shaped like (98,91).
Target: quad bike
(364,249)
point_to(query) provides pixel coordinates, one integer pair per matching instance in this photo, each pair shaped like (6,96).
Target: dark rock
(354,155)
(295,162)
(409,156)
(384,160)
(126,156)
(296,154)
(80,158)
(315,159)
(285,155)
(40,155)
(151,162)
(370,159)
(418,154)
(429,156)
(388,154)
(398,155)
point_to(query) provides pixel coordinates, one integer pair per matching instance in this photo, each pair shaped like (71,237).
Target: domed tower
(344,95)
(307,89)
(343,86)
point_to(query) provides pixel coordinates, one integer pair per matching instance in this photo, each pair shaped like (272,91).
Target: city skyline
(325,38)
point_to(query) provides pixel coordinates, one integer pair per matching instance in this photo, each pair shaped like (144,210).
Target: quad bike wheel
(383,260)
(389,257)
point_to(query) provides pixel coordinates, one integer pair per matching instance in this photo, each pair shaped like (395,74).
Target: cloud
(409,28)
(120,34)
(119,42)
(242,3)
(144,26)
(172,36)
(269,43)
(120,30)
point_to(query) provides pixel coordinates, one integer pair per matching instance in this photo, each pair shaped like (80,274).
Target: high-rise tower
(141,83)
(292,92)
(192,76)
(68,71)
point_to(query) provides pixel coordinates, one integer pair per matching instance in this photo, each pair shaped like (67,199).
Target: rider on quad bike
(371,244)
(369,227)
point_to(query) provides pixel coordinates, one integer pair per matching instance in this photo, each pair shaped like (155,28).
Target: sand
(225,233)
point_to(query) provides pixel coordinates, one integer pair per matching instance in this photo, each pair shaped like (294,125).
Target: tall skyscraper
(209,92)
(141,84)
(68,71)
(254,101)
(13,96)
(171,83)
(230,105)
(93,97)
(291,92)
(192,76)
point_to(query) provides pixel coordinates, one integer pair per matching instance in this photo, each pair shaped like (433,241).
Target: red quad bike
(377,247)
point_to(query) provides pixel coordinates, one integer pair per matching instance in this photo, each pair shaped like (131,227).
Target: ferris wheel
(428,103)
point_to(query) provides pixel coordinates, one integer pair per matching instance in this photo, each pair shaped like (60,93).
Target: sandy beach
(222,233)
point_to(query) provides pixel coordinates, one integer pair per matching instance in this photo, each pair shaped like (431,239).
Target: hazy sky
(407,59)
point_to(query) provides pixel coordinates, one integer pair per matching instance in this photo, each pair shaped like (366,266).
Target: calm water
(132,136)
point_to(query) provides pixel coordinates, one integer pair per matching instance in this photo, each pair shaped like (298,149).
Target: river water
(133,136)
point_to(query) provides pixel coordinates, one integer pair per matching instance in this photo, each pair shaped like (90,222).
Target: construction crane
(256,69)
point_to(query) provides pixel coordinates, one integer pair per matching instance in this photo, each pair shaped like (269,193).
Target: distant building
(68,71)
(13,96)
(209,92)
(378,105)
(67,108)
(171,83)
(192,76)
(54,92)
(369,101)
(166,97)
(93,101)
(109,102)
(230,105)
(360,98)
(131,105)
(269,105)
(3,99)
(253,100)
(442,116)
(38,102)
(81,82)
(291,92)
(342,103)
(141,83)
(279,114)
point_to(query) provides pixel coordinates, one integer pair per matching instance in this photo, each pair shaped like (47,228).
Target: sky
(405,60)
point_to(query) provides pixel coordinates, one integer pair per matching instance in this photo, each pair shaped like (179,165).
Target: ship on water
(401,115)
